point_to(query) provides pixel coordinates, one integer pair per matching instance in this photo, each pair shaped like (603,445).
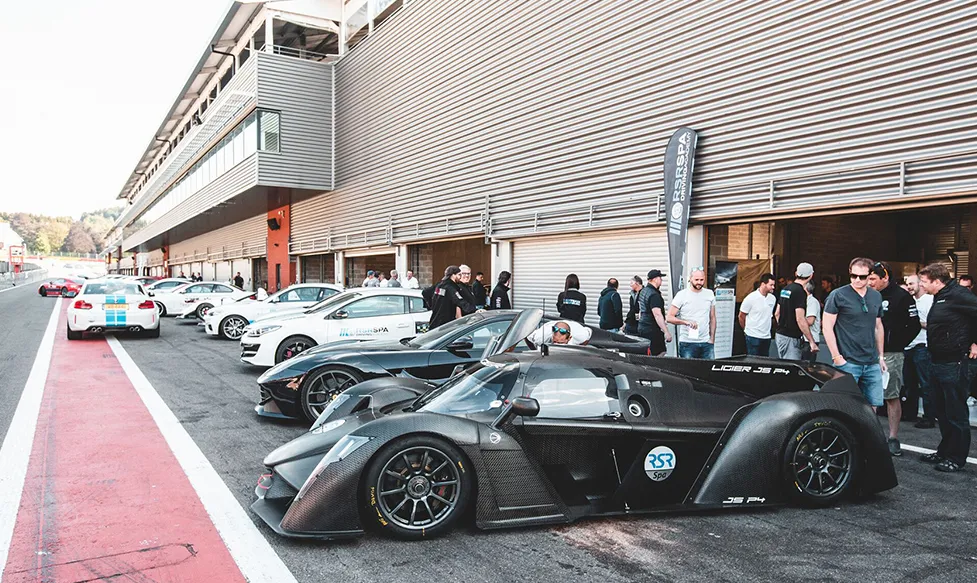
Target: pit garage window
(269,131)
(375,306)
(572,394)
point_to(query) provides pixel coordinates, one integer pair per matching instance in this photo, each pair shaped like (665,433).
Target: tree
(79,239)
(56,231)
(41,245)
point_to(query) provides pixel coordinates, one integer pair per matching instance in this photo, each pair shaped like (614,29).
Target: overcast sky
(83,86)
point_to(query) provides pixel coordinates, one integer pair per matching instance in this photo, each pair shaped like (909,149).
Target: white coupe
(112,305)
(230,320)
(357,314)
(205,294)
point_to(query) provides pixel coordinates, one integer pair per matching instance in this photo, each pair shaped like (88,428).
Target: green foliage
(43,234)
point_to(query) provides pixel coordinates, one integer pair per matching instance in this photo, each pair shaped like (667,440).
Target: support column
(269,32)
(501,259)
(339,257)
(166,260)
(971,241)
(695,251)
(400,262)
(281,270)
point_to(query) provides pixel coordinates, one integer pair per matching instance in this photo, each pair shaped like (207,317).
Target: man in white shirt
(813,315)
(411,281)
(917,356)
(693,310)
(756,316)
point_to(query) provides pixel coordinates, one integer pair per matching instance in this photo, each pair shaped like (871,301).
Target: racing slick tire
(202,310)
(72,335)
(64,292)
(160,309)
(232,327)
(292,346)
(154,333)
(42,292)
(820,462)
(324,385)
(431,494)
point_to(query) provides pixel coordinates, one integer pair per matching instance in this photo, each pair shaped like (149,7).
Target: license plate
(116,306)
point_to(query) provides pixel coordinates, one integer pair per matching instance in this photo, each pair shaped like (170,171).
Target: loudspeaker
(273,224)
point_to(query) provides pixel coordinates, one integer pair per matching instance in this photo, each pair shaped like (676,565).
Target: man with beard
(631,320)
(651,314)
(694,310)
(465,286)
(500,294)
(446,298)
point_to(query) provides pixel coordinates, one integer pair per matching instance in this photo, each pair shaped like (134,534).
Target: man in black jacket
(900,324)
(950,331)
(631,320)
(651,319)
(609,307)
(500,294)
(447,298)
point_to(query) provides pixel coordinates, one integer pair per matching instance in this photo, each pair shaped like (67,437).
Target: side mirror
(461,344)
(521,406)
(151,294)
(340,315)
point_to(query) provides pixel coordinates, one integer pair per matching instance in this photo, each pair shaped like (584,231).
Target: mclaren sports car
(302,386)
(563,433)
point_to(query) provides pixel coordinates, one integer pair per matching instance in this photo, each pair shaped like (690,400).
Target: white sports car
(357,314)
(206,294)
(168,284)
(109,305)
(230,320)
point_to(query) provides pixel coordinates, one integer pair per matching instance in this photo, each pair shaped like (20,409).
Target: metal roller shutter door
(540,265)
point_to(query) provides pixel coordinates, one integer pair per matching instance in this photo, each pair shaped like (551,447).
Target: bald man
(693,310)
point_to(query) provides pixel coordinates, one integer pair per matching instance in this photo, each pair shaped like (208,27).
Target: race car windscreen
(113,287)
(480,388)
(433,338)
(330,302)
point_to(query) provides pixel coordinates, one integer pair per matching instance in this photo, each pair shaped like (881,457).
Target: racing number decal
(660,462)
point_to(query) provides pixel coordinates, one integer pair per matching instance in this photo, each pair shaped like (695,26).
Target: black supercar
(302,386)
(551,436)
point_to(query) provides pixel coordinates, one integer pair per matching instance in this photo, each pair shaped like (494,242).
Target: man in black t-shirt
(792,327)
(651,315)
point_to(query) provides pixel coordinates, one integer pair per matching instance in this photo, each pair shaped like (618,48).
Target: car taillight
(147,305)
(82,305)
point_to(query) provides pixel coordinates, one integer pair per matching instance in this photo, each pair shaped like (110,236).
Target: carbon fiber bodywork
(726,423)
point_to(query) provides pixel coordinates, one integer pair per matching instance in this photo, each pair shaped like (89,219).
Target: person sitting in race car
(561,332)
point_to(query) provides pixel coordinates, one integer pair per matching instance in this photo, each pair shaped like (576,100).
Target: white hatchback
(230,320)
(357,314)
(109,305)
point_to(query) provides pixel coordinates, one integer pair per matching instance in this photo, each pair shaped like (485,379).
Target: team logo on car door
(659,463)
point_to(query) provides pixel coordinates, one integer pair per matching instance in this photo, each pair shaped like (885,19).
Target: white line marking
(15,453)
(249,549)
(970,460)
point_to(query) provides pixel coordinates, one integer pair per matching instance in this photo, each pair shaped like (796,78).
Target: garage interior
(429,260)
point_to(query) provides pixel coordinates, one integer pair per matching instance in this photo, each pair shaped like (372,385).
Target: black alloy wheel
(293,346)
(417,487)
(322,386)
(202,310)
(232,327)
(821,462)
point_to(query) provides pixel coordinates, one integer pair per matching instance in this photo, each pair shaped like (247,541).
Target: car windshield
(432,338)
(479,388)
(113,287)
(332,301)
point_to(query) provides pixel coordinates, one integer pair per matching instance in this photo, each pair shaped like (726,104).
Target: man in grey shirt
(852,328)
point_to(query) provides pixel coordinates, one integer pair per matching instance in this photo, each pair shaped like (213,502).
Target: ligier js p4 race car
(551,436)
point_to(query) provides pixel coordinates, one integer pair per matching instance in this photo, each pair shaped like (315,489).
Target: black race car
(551,436)
(302,386)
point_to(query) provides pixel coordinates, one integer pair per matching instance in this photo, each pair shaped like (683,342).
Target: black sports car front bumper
(274,496)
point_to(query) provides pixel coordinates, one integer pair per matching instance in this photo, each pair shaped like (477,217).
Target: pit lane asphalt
(924,530)
(24,316)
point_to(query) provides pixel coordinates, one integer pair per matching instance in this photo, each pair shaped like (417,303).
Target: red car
(62,286)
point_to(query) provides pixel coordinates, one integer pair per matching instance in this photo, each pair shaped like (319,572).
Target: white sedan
(230,320)
(357,314)
(168,284)
(206,294)
(109,305)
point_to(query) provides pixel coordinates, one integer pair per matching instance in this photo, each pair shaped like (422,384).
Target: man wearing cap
(651,314)
(371,280)
(793,330)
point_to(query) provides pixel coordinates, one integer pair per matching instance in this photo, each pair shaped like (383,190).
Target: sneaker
(971,401)
(925,423)
(931,458)
(894,447)
(948,466)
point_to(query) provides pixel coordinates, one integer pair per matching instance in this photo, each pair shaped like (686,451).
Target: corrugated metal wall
(558,112)
(242,239)
(540,265)
(302,91)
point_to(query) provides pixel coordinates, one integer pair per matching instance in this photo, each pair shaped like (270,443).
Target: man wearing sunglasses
(900,324)
(852,328)
(561,332)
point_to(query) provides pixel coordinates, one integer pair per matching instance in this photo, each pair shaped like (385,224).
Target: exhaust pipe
(133,328)
(97,330)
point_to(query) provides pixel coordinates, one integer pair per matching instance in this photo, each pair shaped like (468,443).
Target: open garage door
(540,265)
